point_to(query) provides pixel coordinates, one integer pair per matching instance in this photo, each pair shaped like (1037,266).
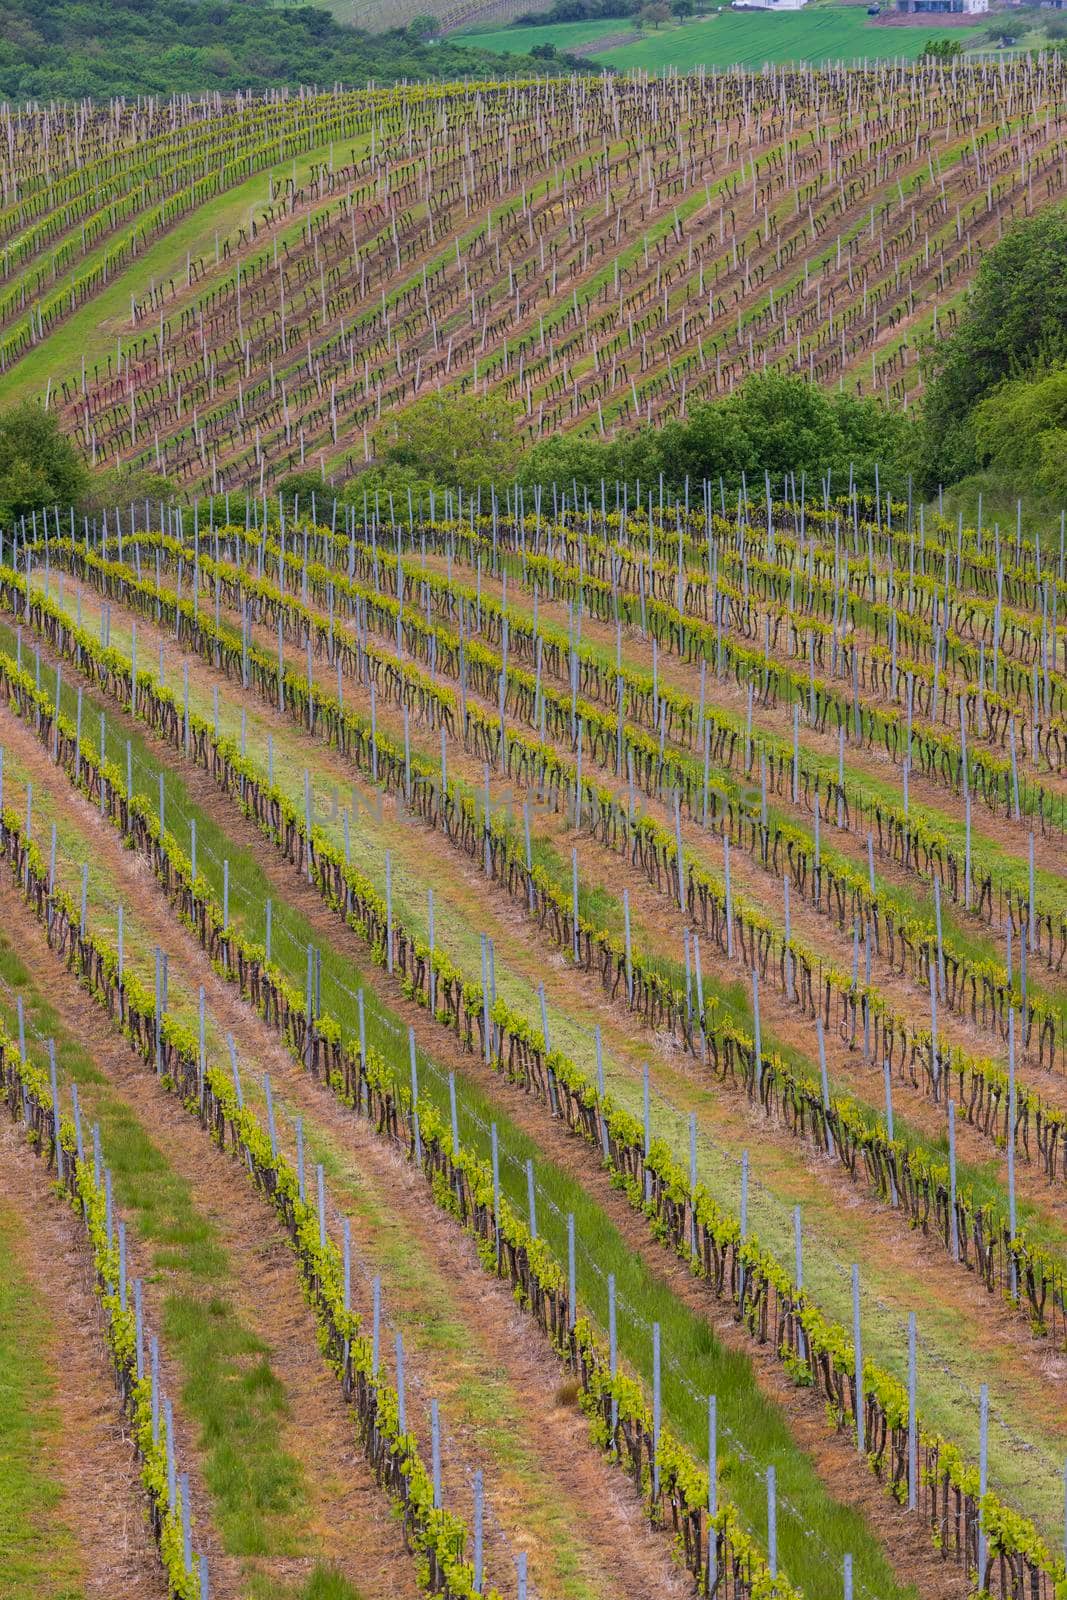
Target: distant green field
(828,33)
(564,35)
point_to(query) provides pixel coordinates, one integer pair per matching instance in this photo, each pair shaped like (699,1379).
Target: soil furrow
(103,1503)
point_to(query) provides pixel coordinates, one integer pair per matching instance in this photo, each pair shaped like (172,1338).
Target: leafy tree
(1021,433)
(72,48)
(121,484)
(1004,31)
(654,15)
(449,438)
(771,424)
(683,8)
(300,486)
(421,28)
(941,50)
(38,464)
(1013,323)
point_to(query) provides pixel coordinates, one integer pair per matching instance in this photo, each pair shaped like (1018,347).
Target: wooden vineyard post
(79,1146)
(1033,913)
(389,911)
(154,1362)
(1010,1148)
(453,1112)
(526,831)
(496,1186)
(271,1127)
(307,817)
(713,1491)
(798,1250)
(572,1283)
(187,1531)
(744,1225)
(647,1124)
(629,950)
(788,964)
(693,1181)
(888,1076)
(983,1475)
(479,1519)
(772,1523)
(935,1072)
(613,1349)
(954,1235)
(678,847)
(415,1122)
(656,1407)
(730,900)
(435,1450)
(138,1323)
(56,1112)
(172,1484)
(159,1013)
(858,1344)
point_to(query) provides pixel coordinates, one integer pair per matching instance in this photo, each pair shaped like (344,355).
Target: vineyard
(533,1019)
(549,1015)
(227,291)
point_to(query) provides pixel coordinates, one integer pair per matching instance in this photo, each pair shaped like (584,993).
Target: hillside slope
(602,252)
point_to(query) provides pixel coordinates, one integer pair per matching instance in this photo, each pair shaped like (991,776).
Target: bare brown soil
(103,1503)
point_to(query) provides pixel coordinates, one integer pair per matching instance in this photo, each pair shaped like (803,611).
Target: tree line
(72,48)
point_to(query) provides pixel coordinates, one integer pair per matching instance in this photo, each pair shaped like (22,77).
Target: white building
(934,8)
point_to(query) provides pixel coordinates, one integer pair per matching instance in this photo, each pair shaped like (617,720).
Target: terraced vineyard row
(553,865)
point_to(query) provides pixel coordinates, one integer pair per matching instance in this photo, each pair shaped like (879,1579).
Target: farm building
(942,7)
